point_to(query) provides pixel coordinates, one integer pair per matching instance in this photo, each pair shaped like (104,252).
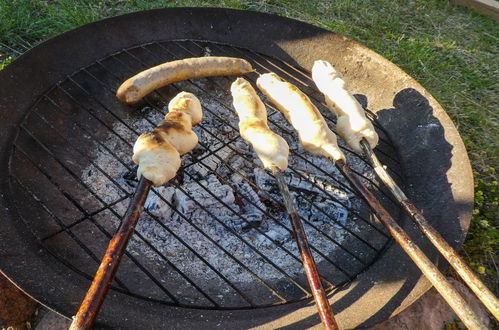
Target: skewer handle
(96,294)
(468,276)
(321,301)
(446,290)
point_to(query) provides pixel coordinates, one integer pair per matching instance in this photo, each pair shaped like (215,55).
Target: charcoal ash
(224,200)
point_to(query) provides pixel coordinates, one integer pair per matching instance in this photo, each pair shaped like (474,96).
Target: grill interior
(71,177)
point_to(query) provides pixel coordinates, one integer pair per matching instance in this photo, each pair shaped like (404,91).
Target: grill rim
(222,23)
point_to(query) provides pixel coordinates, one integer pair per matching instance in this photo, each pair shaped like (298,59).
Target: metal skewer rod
(446,290)
(321,301)
(96,294)
(469,277)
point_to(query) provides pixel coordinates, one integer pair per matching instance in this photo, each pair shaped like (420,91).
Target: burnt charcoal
(251,225)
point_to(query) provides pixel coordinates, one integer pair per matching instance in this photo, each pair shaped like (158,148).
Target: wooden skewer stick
(96,294)
(469,277)
(446,290)
(321,301)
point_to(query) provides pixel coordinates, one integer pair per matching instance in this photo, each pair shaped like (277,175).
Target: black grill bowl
(420,144)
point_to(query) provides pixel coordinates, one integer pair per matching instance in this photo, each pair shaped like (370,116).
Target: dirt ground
(16,309)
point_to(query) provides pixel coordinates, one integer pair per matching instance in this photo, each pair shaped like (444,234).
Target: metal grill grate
(72,176)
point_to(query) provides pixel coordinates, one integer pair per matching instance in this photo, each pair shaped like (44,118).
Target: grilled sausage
(135,88)
(352,124)
(270,147)
(314,134)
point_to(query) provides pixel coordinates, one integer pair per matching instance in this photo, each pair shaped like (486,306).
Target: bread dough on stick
(188,103)
(271,148)
(352,124)
(158,160)
(314,134)
(158,152)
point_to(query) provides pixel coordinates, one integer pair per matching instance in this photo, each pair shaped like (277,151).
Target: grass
(451,51)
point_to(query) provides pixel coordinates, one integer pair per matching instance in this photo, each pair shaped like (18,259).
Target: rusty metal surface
(432,154)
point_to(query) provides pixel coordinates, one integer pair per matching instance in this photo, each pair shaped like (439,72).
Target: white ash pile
(222,199)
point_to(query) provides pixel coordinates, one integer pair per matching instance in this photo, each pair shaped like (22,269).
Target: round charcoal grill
(215,247)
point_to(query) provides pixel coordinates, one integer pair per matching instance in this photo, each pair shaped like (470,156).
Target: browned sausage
(138,86)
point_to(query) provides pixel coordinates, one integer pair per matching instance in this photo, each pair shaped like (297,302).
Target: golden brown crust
(158,152)
(177,130)
(271,149)
(313,132)
(352,124)
(135,88)
(158,160)
(189,104)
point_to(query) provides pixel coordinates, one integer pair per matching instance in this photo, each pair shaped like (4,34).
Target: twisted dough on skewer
(314,134)
(158,152)
(270,147)
(184,111)
(352,123)
(158,160)
(189,103)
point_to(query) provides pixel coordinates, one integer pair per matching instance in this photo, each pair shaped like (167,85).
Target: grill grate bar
(61,223)
(190,222)
(209,151)
(132,258)
(240,238)
(258,188)
(245,297)
(77,222)
(86,146)
(347,187)
(161,197)
(227,144)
